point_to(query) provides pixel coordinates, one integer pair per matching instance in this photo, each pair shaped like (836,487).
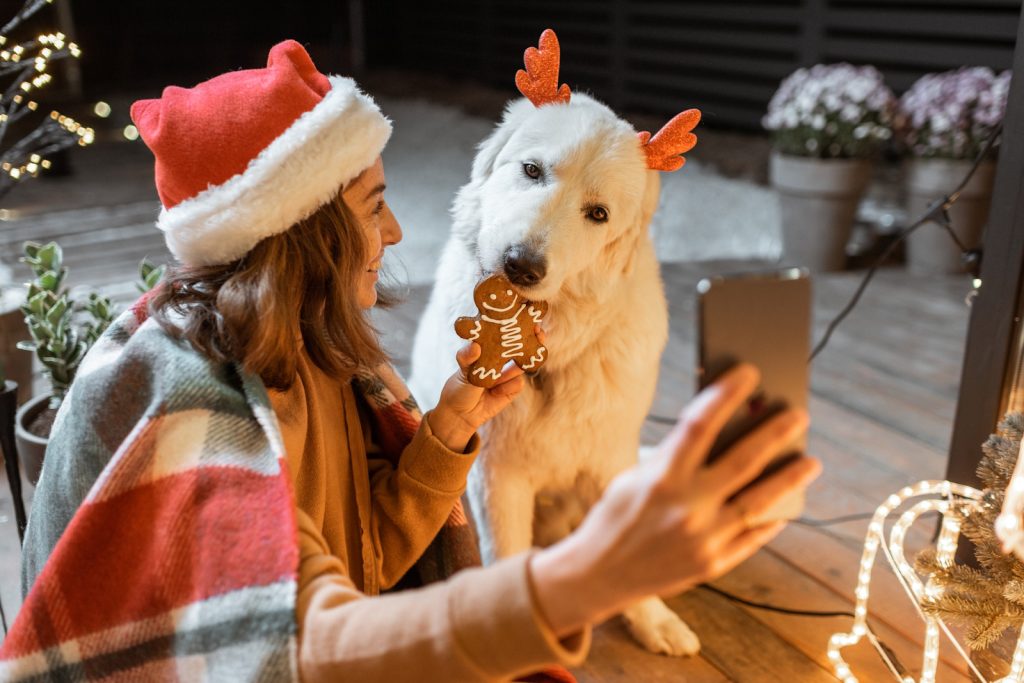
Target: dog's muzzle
(523,266)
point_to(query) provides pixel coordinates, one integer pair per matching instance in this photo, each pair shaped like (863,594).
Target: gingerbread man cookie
(505,330)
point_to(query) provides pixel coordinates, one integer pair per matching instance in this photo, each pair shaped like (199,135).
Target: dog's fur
(576,425)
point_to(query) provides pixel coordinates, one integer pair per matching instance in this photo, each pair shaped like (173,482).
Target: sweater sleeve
(482,625)
(412,501)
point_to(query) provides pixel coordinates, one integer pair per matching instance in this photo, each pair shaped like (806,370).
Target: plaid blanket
(163,541)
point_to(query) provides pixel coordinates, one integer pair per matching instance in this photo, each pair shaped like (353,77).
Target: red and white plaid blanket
(162,543)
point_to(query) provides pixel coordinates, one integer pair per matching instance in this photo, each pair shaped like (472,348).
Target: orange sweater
(362,525)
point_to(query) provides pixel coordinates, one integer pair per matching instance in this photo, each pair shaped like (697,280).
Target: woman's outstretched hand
(463,407)
(675,521)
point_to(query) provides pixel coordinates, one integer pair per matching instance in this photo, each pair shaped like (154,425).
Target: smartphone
(763,319)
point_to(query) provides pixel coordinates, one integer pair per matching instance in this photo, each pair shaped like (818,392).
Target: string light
(916,589)
(102,110)
(131,132)
(53,134)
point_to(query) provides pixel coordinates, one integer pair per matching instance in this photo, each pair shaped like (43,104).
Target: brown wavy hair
(302,281)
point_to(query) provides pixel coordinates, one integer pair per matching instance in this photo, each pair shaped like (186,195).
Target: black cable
(773,608)
(937,212)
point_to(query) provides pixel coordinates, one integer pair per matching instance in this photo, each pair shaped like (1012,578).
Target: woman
(189,524)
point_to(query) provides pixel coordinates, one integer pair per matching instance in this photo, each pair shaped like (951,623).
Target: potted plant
(56,342)
(827,124)
(8,418)
(946,119)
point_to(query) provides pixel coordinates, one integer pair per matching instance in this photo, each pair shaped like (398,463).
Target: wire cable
(938,212)
(773,608)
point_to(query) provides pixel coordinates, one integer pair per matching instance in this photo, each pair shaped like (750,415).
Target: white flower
(851,113)
(940,123)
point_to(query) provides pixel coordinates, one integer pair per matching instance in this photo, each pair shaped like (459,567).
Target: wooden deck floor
(883,400)
(884,393)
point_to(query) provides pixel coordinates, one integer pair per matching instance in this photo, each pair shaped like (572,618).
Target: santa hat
(247,154)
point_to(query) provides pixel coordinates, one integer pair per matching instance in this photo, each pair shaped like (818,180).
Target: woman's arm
(412,501)
(483,625)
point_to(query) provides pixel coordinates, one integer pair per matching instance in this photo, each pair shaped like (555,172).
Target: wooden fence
(724,56)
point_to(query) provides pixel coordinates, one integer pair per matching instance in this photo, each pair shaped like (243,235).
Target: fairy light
(102,110)
(912,584)
(33,74)
(131,132)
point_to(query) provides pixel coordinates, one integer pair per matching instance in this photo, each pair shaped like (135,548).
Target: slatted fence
(724,56)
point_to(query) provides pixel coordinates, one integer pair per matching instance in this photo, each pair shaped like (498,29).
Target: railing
(725,57)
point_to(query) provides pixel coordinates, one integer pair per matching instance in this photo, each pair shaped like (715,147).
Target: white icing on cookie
(535,359)
(502,310)
(484,373)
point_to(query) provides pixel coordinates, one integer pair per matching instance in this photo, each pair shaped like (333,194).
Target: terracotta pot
(818,199)
(930,249)
(31,448)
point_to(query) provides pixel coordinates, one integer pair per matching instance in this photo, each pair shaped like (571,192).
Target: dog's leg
(503,509)
(659,629)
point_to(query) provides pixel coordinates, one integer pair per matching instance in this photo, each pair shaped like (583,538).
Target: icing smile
(515,300)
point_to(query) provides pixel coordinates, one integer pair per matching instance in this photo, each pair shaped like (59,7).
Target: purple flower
(953,111)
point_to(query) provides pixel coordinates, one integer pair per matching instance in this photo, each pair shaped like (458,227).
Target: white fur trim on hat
(296,174)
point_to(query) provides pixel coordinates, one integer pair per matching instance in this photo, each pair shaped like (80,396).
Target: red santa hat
(247,154)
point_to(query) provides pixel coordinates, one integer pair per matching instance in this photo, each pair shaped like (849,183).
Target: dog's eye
(532,170)
(598,214)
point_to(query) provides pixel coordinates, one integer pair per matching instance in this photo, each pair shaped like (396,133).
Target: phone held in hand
(763,319)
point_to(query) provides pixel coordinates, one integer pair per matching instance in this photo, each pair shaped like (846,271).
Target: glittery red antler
(539,83)
(673,139)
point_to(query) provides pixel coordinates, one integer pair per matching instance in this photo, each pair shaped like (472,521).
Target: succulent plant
(48,310)
(150,274)
(48,314)
(102,310)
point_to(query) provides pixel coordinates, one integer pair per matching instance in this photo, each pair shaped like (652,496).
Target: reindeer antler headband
(539,84)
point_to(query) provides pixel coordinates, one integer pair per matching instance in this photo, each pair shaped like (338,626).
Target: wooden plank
(768,579)
(616,658)
(684,56)
(767,13)
(691,36)
(954,23)
(940,54)
(741,647)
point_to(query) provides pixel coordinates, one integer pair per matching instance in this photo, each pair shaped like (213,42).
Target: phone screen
(763,319)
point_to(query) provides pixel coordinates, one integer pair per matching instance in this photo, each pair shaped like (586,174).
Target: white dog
(560,199)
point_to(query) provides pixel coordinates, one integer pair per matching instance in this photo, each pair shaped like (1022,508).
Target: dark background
(725,57)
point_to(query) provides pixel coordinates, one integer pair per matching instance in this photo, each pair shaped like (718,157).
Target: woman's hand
(463,407)
(675,521)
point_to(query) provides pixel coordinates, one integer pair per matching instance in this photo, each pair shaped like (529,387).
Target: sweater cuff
(499,626)
(431,463)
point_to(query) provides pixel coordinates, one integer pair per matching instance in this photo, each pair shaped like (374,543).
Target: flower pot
(31,448)
(930,249)
(8,420)
(818,200)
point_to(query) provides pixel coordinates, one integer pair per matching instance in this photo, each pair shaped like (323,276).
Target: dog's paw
(660,630)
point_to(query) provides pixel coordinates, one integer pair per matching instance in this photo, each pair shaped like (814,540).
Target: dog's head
(562,192)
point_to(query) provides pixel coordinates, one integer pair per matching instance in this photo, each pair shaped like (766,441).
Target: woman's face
(365,196)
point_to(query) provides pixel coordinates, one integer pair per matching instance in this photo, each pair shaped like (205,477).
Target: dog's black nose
(524,267)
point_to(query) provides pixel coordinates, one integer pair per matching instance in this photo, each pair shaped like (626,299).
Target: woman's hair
(303,281)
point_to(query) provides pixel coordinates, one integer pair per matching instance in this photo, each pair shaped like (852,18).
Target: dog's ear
(652,193)
(488,150)
(649,204)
